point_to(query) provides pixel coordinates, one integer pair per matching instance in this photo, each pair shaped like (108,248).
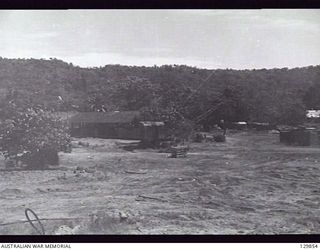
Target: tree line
(186,98)
(173,92)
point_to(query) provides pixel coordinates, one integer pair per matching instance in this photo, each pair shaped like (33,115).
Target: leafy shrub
(33,136)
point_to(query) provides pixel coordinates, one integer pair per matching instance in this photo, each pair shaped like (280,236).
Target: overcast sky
(236,39)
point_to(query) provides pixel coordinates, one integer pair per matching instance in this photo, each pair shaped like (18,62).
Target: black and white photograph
(160,122)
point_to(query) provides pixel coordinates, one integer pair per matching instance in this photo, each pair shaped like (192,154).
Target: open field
(249,185)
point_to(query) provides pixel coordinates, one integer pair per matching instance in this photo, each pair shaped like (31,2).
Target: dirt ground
(248,185)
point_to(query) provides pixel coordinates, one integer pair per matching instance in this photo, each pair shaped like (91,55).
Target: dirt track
(249,185)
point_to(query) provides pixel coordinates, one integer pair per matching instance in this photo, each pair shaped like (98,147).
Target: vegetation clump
(32,136)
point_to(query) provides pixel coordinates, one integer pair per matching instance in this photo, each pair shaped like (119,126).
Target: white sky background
(239,39)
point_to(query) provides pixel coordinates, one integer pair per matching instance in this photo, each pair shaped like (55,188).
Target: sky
(237,39)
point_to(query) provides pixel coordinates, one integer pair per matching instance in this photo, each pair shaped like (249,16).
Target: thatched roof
(106,117)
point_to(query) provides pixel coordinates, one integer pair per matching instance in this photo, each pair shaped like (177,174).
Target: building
(152,132)
(237,125)
(300,136)
(307,134)
(313,114)
(112,125)
(127,125)
(313,117)
(260,126)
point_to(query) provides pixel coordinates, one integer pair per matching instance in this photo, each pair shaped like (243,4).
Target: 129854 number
(310,245)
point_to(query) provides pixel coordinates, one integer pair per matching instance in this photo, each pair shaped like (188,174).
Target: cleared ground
(249,185)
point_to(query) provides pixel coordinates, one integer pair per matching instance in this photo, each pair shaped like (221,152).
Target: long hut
(300,136)
(112,125)
(127,125)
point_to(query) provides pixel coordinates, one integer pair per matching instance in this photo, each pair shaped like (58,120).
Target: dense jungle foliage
(174,93)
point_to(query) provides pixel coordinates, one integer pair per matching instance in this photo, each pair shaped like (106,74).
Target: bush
(45,156)
(34,137)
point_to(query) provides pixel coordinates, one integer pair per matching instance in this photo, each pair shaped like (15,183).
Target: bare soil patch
(248,185)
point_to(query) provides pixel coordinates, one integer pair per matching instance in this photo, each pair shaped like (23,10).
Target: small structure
(313,117)
(303,135)
(260,126)
(199,137)
(237,125)
(179,152)
(300,136)
(152,132)
(313,114)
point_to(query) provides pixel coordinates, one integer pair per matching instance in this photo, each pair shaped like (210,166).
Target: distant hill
(199,95)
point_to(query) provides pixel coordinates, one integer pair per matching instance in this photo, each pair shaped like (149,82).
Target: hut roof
(64,115)
(151,124)
(106,117)
(313,113)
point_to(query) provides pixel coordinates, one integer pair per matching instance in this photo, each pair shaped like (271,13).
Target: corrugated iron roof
(106,117)
(313,113)
(241,123)
(64,115)
(150,124)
